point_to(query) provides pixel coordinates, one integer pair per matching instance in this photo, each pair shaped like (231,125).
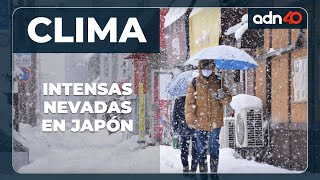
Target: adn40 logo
(292,17)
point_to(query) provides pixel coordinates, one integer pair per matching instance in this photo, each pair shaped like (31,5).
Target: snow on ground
(100,153)
(229,162)
(85,152)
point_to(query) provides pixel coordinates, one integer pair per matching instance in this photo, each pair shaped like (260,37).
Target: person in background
(204,112)
(186,133)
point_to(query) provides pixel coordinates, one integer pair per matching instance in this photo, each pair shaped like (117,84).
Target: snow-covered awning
(173,15)
(195,11)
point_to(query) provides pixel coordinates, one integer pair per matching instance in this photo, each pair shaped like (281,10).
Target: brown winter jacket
(202,111)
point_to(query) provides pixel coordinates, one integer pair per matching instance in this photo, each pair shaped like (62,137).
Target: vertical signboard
(204,28)
(140,75)
(176,45)
(163,12)
(141,113)
(300,80)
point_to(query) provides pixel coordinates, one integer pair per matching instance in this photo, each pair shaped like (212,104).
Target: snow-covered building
(148,71)
(281,82)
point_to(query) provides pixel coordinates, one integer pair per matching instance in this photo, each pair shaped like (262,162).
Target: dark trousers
(207,139)
(185,143)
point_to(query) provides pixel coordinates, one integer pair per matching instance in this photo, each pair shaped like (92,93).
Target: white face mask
(206,72)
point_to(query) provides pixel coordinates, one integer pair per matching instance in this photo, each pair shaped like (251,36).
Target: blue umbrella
(225,57)
(178,86)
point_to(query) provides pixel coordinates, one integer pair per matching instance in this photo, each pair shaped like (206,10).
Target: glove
(218,95)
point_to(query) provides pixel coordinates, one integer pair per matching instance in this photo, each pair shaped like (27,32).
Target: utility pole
(32,95)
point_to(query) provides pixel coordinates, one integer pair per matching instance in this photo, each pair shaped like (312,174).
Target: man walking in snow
(204,112)
(186,133)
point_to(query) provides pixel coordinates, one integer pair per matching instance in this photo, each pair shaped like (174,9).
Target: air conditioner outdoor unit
(249,128)
(230,138)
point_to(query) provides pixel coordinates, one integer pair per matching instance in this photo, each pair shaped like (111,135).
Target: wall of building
(288,120)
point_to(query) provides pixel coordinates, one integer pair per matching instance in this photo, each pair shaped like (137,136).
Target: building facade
(281,83)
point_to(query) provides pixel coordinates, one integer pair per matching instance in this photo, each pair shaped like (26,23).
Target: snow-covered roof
(195,11)
(173,15)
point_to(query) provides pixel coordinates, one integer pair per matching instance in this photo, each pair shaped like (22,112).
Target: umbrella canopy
(178,86)
(225,57)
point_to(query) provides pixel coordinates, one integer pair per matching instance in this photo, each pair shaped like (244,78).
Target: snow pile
(271,50)
(238,34)
(239,29)
(233,29)
(242,101)
(40,143)
(85,152)
(244,18)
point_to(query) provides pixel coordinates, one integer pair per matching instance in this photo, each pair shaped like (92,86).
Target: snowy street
(99,153)
(230,162)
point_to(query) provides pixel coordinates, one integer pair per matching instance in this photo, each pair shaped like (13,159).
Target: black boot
(185,169)
(193,169)
(194,165)
(203,168)
(214,162)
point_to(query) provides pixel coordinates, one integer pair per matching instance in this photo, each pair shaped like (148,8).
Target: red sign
(164,111)
(163,12)
(140,75)
(176,44)
(161,117)
(156,100)
(158,132)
